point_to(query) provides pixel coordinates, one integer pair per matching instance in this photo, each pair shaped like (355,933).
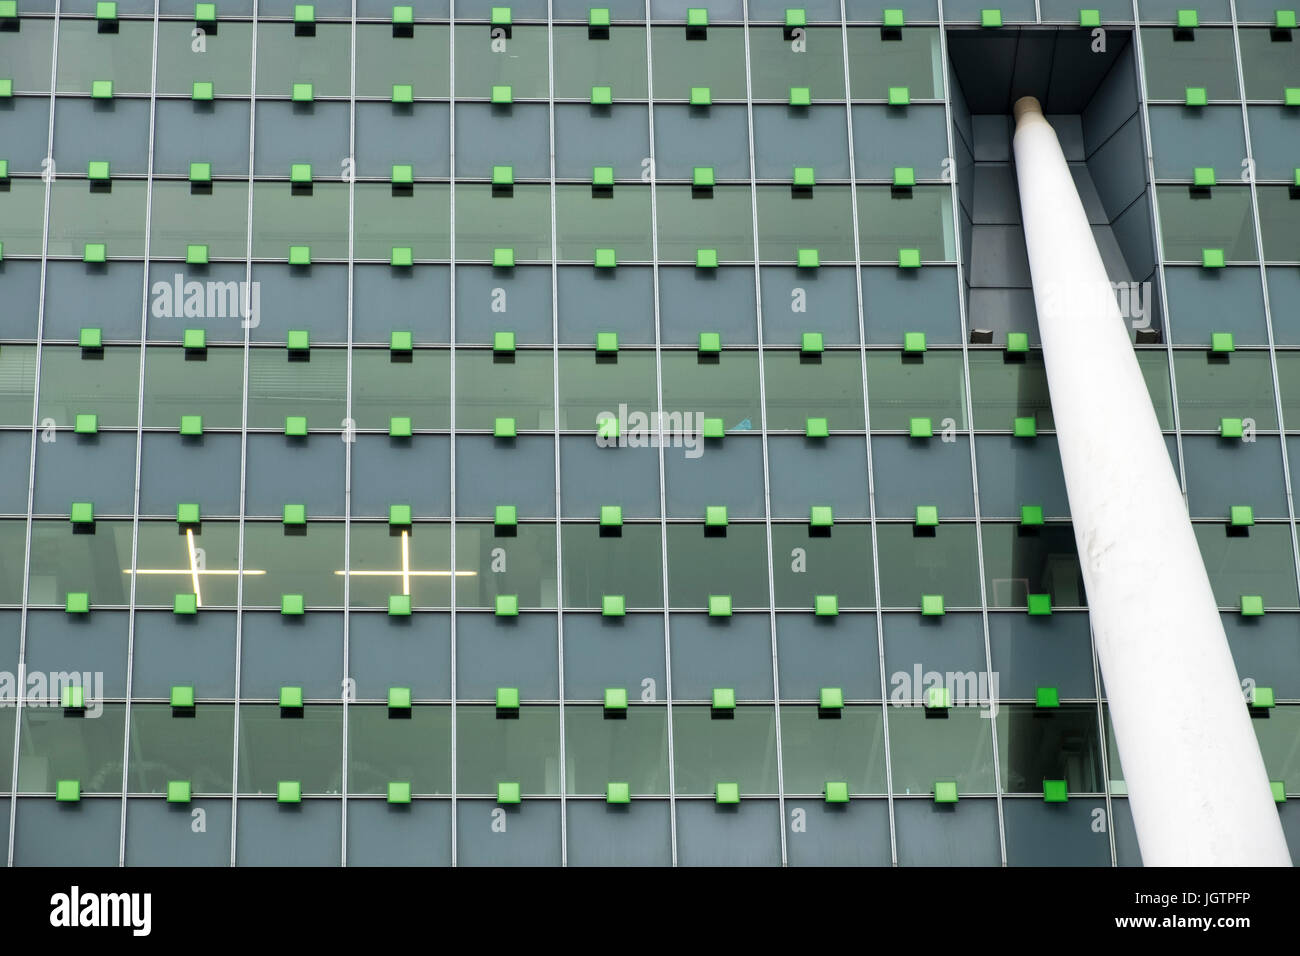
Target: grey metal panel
(116,130)
(524,301)
(816,652)
(288,133)
(955,646)
(709,652)
(578,9)
(291,834)
(686,138)
(592,300)
(839,479)
(1029,652)
(62,467)
(910,472)
(822,142)
(288,295)
(283,470)
(1079,68)
(635,834)
(1222,474)
(206,471)
(417,134)
(1019,473)
(58,642)
(602,652)
(1055,834)
(735,464)
(1284,287)
(296,651)
(488,474)
(721,300)
(913,9)
(1002,311)
(1275,141)
(829,301)
(998,257)
(77,295)
(380,477)
(837,834)
(1211,11)
(1113,103)
(962,834)
(1087,195)
(1118,169)
(997,198)
(531,836)
(400,652)
(1264,648)
(387,300)
(911,300)
(220,329)
(1121,821)
(399,834)
(591,477)
(1205,301)
(86,833)
(1132,231)
(215,132)
(744,834)
(163,834)
(676,9)
(494,652)
(884,138)
(587,136)
(22,285)
(1215,138)
(24,126)
(483,141)
(992,137)
(176,649)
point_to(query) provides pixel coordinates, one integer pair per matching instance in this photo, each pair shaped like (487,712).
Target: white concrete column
(1196,781)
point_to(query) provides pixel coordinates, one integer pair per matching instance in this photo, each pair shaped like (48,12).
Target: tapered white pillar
(1197,786)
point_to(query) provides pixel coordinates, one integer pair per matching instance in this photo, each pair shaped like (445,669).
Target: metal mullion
(866,411)
(451,380)
(139,439)
(663,496)
(762,391)
(970,422)
(36,402)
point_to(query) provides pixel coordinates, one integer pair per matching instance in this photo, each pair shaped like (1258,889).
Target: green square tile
(811,343)
(808,259)
(702,177)
(1203,176)
(697,17)
(1047,697)
(182,695)
(1284,20)
(292,605)
(399,791)
(1278,787)
(288,791)
(506,516)
(1187,19)
(1195,96)
(67,791)
(501,16)
(706,258)
(98,169)
(295,514)
(8,9)
(826,605)
(508,793)
(399,426)
(724,698)
(399,605)
(304,13)
(800,96)
(990,18)
(615,698)
(727,793)
(95,252)
(796,17)
(1262,697)
(105,10)
(920,428)
(1212,258)
(816,428)
(187,513)
(300,255)
(402,257)
(77,602)
(598,17)
(503,342)
(701,96)
(185,604)
(913,341)
(291,697)
(831,698)
(1055,791)
(899,96)
(602,176)
(613,605)
(938,698)
(178,791)
(710,342)
(1089,18)
(1031,515)
(507,698)
(196,255)
(1025,427)
(909,258)
(502,95)
(821,516)
(719,605)
(200,172)
(403,93)
(932,605)
(504,428)
(904,176)
(1252,605)
(927,516)
(503,258)
(400,340)
(82,512)
(1291,96)
(503,175)
(1039,604)
(606,341)
(714,428)
(4,169)
(101,89)
(403,15)
(86,424)
(715,516)
(91,338)
(302,93)
(1241,516)
(403,174)
(602,96)
(1017,342)
(201,90)
(1231,428)
(805,177)
(945,791)
(606,259)
(399,515)
(295,426)
(73,697)
(507,605)
(617,793)
(837,791)
(893,18)
(300,173)
(611,516)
